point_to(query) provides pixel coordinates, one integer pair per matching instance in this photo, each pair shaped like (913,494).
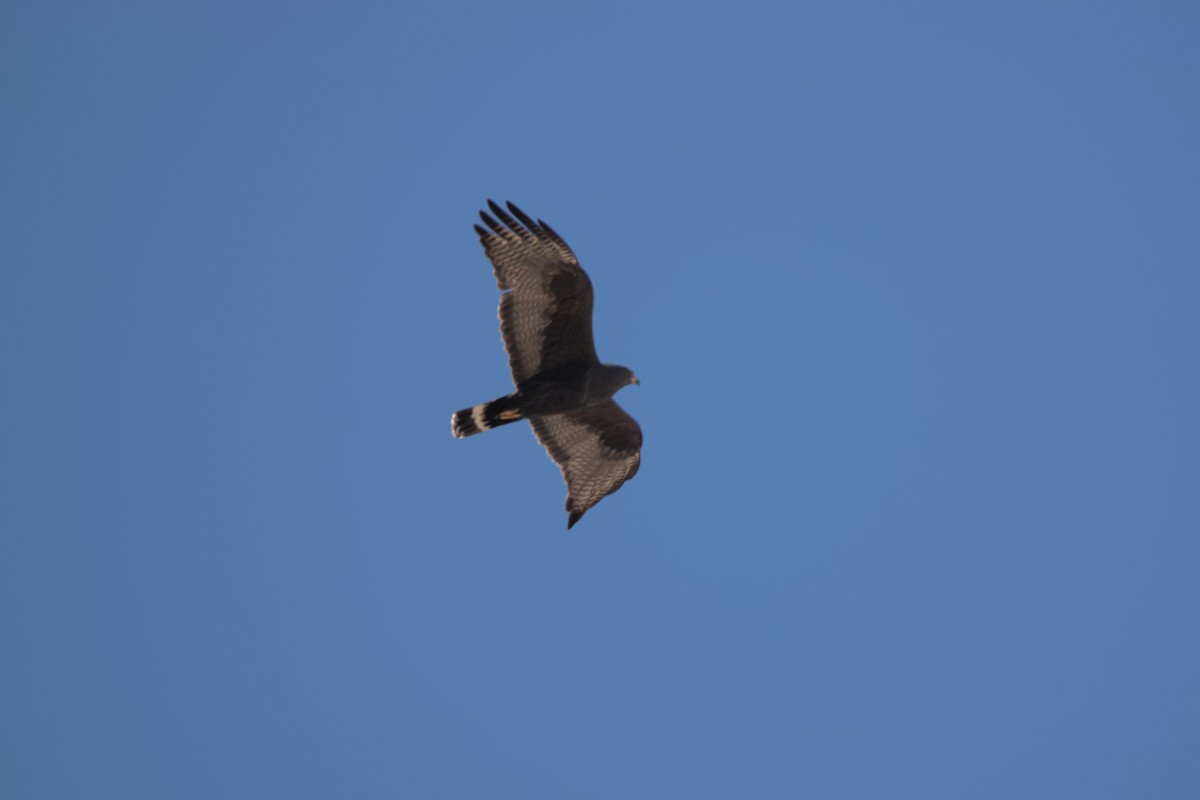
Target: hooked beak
(636,381)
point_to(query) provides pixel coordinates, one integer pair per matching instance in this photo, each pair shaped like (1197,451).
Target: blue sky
(912,291)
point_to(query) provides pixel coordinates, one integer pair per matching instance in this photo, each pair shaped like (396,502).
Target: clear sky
(913,293)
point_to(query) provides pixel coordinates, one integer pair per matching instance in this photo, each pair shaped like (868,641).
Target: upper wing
(597,448)
(546,308)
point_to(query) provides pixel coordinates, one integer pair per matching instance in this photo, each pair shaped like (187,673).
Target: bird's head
(615,379)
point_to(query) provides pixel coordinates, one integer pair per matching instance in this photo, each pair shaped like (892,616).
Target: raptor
(562,389)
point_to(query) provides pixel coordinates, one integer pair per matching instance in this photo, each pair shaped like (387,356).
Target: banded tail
(484,417)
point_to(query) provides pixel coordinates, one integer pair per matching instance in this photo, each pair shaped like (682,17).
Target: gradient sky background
(913,293)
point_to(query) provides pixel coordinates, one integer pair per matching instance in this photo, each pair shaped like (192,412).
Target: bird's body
(561,386)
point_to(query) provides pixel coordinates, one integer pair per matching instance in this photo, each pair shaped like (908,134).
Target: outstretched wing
(597,448)
(546,308)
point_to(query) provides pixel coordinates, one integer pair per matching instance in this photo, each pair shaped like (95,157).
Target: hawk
(562,388)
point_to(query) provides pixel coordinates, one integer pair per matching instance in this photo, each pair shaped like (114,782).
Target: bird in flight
(562,388)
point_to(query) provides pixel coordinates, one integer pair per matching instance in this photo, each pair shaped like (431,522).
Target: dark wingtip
(519,214)
(496,227)
(575,517)
(496,209)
